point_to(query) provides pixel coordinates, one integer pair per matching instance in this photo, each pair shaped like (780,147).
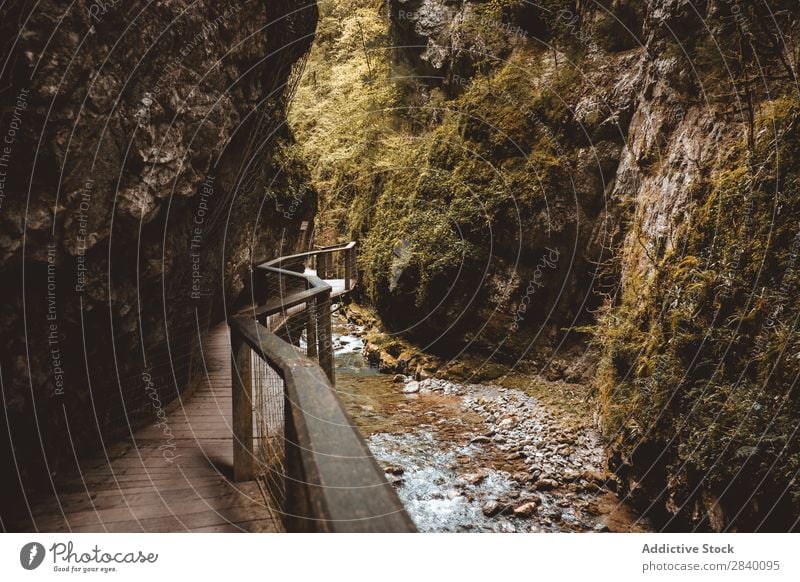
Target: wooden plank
(325,337)
(146,496)
(153,508)
(242,409)
(255,526)
(132,479)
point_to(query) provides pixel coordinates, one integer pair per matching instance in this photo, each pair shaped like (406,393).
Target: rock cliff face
(147,164)
(537,167)
(697,385)
(476,185)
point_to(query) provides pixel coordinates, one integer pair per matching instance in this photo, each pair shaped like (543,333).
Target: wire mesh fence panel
(293,330)
(329,265)
(268,426)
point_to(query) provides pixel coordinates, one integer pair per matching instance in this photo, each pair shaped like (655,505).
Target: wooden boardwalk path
(137,487)
(177,474)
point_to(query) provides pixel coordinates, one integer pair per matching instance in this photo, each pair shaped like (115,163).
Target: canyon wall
(147,166)
(530,178)
(698,374)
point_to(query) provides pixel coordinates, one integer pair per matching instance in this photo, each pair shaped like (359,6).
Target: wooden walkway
(176,475)
(137,487)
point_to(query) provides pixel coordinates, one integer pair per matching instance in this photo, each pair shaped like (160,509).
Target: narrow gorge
(574,298)
(591,194)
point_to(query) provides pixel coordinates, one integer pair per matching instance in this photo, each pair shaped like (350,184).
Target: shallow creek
(476,457)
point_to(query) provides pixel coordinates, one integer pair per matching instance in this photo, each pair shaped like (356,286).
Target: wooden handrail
(333,483)
(331,480)
(318,251)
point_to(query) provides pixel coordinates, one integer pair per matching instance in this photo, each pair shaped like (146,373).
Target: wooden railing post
(242,397)
(321,265)
(324,335)
(311,330)
(348,268)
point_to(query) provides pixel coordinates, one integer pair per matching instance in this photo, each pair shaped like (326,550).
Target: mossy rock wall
(698,374)
(472,159)
(515,172)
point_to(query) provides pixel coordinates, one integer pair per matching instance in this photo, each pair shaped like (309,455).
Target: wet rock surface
(477,457)
(125,203)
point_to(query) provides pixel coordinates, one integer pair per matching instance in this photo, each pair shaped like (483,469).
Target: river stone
(546,484)
(595,476)
(521,477)
(398,378)
(525,510)
(411,388)
(475,478)
(480,440)
(532,498)
(493,508)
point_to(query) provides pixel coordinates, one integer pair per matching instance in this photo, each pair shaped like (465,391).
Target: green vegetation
(438,181)
(343,114)
(455,185)
(700,359)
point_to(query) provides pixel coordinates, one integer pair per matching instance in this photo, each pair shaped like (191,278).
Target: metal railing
(290,428)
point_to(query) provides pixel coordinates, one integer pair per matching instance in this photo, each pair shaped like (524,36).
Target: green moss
(431,183)
(697,362)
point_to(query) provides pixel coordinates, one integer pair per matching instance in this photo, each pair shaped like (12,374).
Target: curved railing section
(291,430)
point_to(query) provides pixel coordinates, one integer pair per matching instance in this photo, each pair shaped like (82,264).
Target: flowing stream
(476,457)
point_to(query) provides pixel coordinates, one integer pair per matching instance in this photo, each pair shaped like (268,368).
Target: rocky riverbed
(479,457)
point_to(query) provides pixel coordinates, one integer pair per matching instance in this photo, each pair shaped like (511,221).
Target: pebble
(595,476)
(411,388)
(474,478)
(492,508)
(521,477)
(525,510)
(546,484)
